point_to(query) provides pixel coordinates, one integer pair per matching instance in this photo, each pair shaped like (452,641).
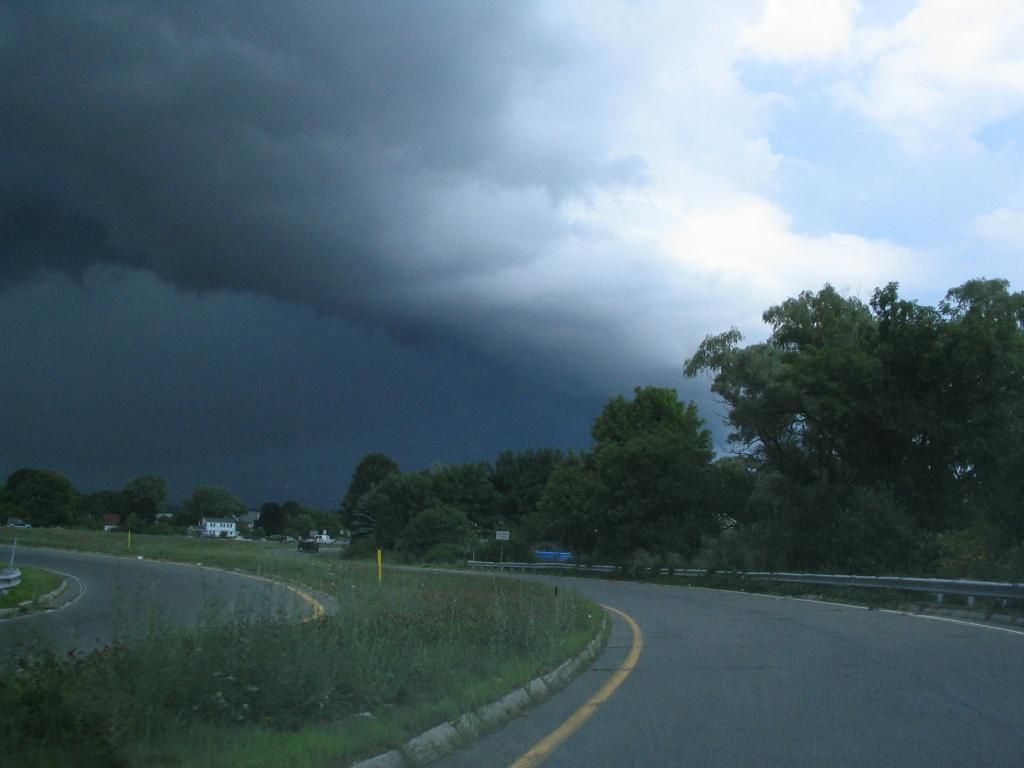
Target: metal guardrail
(9,577)
(968,588)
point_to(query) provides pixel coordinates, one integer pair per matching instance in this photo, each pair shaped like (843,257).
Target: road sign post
(501,536)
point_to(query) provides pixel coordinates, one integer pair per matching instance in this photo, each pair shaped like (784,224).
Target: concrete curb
(39,602)
(49,597)
(445,738)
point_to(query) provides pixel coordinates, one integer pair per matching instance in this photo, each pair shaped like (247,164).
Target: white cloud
(749,241)
(1002,226)
(793,31)
(641,276)
(944,70)
(939,73)
(633,275)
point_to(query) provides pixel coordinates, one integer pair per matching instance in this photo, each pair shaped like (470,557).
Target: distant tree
(467,487)
(372,470)
(42,497)
(324,520)
(363,523)
(300,524)
(90,508)
(146,496)
(291,510)
(272,518)
(133,523)
(209,501)
(651,457)
(519,478)
(567,513)
(395,501)
(440,532)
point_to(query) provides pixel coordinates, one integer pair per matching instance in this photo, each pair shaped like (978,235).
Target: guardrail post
(970,601)
(940,598)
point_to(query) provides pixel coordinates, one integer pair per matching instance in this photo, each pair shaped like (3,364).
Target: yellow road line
(543,748)
(314,604)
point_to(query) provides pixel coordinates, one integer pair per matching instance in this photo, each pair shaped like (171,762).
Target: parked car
(309,545)
(17,522)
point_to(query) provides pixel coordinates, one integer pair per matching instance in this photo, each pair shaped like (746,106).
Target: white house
(218,527)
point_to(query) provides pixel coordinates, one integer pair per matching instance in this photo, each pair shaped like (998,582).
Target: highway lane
(728,679)
(111,597)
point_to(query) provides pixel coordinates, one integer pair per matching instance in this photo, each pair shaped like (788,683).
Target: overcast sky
(245,243)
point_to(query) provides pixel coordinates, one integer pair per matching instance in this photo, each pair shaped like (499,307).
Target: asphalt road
(109,598)
(731,680)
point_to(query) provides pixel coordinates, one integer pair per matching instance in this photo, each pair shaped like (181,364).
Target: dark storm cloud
(300,232)
(288,149)
(120,375)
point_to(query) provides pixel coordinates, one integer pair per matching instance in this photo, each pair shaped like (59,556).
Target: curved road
(731,680)
(110,597)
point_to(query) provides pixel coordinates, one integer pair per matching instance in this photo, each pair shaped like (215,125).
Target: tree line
(877,437)
(43,497)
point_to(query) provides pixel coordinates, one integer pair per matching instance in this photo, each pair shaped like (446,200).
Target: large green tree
(371,471)
(651,457)
(567,513)
(42,497)
(888,411)
(146,496)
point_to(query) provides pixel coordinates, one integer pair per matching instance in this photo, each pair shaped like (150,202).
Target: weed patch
(396,658)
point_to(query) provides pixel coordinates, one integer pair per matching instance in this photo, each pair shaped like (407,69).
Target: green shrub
(445,553)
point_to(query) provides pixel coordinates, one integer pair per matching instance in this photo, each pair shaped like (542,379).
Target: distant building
(218,527)
(111,521)
(250,519)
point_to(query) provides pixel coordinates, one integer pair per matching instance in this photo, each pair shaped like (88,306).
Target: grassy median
(398,657)
(35,583)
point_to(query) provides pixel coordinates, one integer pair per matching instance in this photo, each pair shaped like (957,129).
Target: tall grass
(397,657)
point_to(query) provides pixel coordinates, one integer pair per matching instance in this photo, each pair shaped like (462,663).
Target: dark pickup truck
(309,545)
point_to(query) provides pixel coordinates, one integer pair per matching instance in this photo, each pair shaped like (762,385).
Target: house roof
(111,519)
(219,520)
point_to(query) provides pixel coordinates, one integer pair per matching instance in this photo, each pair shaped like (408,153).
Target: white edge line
(82,587)
(892,611)
(952,620)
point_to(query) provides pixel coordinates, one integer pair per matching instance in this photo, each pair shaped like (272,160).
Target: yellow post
(129,539)
(380,566)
